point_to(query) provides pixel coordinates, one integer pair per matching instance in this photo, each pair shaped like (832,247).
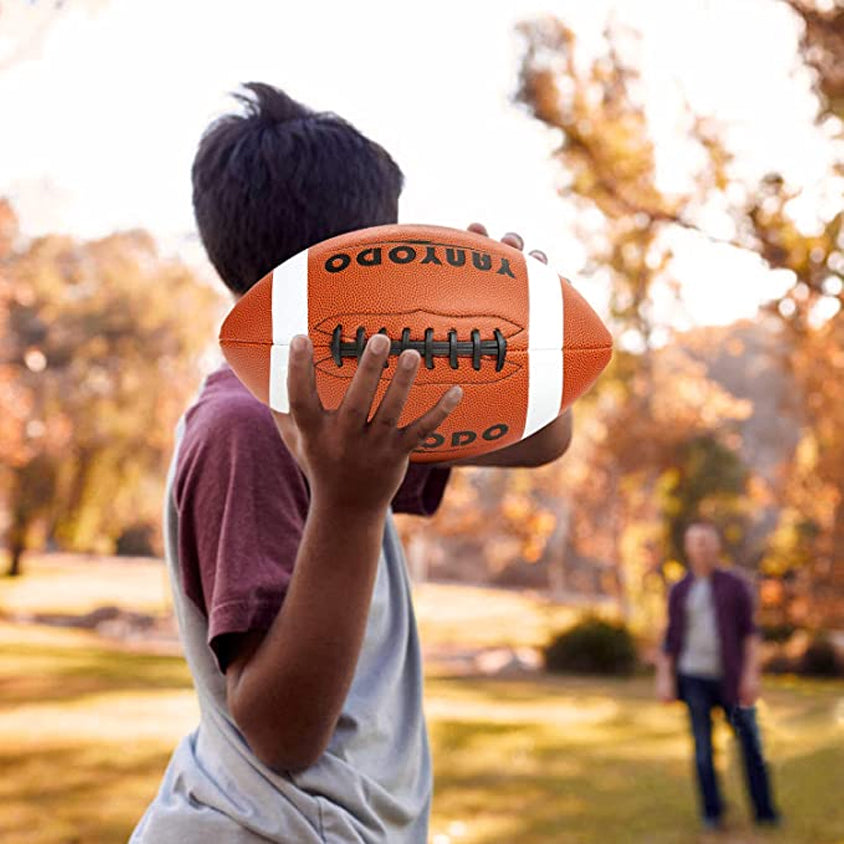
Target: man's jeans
(702,696)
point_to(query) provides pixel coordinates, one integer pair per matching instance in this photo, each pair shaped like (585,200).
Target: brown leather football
(521,341)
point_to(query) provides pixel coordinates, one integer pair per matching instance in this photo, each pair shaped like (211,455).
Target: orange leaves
(101,349)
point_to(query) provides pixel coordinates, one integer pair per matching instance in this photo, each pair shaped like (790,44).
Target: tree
(709,480)
(103,344)
(609,164)
(13,402)
(821,48)
(811,530)
(600,509)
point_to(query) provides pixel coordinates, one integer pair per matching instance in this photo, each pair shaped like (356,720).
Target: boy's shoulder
(224,411)
(226,431)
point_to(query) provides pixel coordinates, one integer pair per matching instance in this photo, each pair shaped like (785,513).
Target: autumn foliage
(101,348)
(741,424)
(101,343)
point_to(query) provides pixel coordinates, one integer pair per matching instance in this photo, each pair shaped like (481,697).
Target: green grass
(78,583)
(473,617)
(85,732)
(87,727)
(448,614)
(586,760)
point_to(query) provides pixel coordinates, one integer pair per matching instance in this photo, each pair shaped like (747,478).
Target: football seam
(581,348)
(225,340)
(420,242)
(420,309)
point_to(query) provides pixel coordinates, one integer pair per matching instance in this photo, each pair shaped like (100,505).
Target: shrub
(592,646)
(777,633)
(820,659)
(779,663)
(136,541)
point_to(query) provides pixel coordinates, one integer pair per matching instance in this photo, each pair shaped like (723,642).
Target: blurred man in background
(710,658)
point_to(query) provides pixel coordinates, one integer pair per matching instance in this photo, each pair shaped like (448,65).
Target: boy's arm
(285,689)
(545,446)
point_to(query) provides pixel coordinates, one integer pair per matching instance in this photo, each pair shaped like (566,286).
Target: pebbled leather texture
(587,345)
(246,336)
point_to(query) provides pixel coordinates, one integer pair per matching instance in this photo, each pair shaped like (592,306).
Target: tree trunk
(17,532)
(613,526)
(557,547)
(835,576)
(32,493)
(15,569)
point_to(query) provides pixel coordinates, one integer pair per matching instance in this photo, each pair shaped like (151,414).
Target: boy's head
(279,178)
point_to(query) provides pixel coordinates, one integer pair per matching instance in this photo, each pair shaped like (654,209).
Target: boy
(288,578)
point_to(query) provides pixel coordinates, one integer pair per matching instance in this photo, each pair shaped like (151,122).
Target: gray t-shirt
(701,654)
(234,510)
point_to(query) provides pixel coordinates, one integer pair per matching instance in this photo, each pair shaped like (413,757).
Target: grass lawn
(586,760)
(448,614)
(87,727)
(78,583)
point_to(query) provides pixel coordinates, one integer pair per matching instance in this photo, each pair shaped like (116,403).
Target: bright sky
(100,124)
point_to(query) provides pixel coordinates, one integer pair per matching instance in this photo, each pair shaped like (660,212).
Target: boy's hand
(511,239)
(352,461)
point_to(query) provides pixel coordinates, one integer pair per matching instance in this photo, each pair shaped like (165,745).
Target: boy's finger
(478,228)
(360,393)
(418,431)
(392,405)
(305,406)
(513,239)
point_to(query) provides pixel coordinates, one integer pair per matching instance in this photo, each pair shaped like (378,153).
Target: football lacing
(429,348)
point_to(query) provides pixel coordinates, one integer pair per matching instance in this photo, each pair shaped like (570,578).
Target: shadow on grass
(70,794)
(530,685)
(532,783)
(32,673)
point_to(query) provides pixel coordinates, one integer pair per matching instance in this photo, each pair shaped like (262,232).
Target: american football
(519,339)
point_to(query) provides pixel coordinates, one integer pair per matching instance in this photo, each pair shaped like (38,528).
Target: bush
(780,664)
(136,541)
(777,633)
(820,659)
(592,646)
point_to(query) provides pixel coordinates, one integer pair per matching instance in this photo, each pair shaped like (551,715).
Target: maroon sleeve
(670,637)
(421,490)
(242,503)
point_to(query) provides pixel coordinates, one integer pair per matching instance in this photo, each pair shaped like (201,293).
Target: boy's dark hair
(279,178)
